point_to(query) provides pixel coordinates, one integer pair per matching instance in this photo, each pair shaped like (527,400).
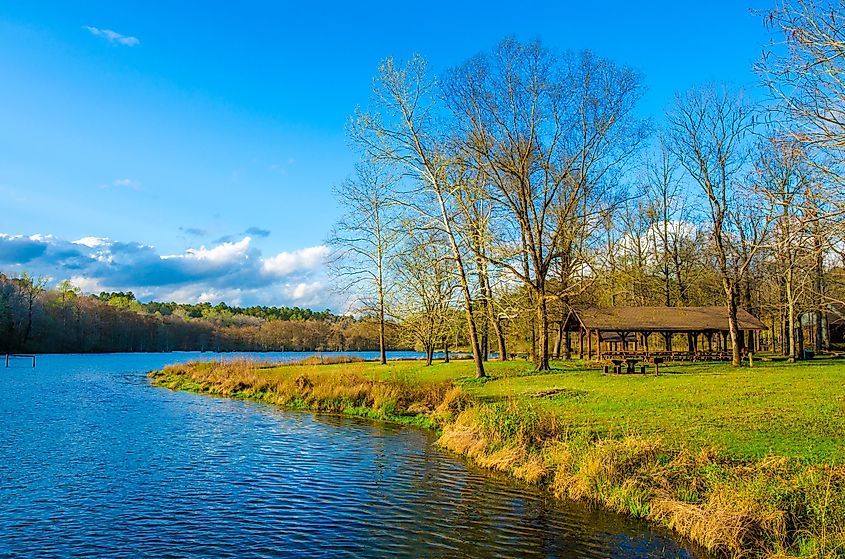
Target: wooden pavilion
(628,331)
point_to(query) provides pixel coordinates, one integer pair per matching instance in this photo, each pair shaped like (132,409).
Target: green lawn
(795,410)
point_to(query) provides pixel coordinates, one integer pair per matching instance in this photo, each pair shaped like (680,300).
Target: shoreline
(770,507)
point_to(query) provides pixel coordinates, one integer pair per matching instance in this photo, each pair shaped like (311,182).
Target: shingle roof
(660,319)
(836,314)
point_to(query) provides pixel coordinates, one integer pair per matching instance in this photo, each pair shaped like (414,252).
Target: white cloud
(287,263)
(42,238)
(306,293)
(88,285)
(113,36)
(92,242)
(127,183)
(131,184)
(221,254)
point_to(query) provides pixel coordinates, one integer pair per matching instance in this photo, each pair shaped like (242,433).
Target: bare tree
(670,225)
(781,178)
(542,129)
(806,74)
(29,289)
(403,131)
(709,130)
(364,241)
(474,216)
(427,291)
(808,77)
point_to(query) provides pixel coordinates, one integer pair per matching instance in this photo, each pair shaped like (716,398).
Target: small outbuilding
(629,330)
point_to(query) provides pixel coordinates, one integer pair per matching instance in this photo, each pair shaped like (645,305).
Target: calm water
(96,463)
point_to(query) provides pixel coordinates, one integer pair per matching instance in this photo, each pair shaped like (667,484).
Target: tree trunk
(542,356)
(790,313)
(682,288)
(567,345)
(558,342)
(459,264)
(733,323)
(445,351)
(819,337)
(486,306)
(800,336)
(497,326)
(382,350)
(28,330)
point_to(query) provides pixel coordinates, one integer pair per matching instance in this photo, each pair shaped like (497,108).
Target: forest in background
(38,319)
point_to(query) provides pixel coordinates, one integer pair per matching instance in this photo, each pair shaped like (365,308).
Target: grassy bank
(747,462)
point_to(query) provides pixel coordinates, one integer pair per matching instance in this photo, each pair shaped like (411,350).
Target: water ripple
(95,463)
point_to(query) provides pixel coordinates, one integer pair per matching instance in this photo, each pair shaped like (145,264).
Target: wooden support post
(598,344)
(567,345)
(581,343)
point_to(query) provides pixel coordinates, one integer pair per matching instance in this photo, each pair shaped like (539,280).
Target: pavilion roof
(836,314)
(659,319)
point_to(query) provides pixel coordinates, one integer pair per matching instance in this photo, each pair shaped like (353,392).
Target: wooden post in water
(9,355)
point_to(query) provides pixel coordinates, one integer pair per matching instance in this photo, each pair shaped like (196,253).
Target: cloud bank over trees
(233,271)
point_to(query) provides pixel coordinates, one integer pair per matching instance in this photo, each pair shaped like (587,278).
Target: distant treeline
(34,318)
(205,310)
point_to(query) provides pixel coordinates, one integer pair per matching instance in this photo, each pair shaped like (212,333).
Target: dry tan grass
(324,360)
(533,470)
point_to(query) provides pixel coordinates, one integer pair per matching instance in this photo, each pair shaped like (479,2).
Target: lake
(94,462)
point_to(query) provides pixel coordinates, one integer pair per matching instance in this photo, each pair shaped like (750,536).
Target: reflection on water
(95,463)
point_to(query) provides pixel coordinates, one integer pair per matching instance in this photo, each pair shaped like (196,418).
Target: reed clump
(305,388)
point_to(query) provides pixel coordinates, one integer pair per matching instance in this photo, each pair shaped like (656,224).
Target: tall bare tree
(670,224)
(364,241)
(709,131)
(427,290)
(808,76)
(781,179)
(543,129)
(402,130)
(29,289)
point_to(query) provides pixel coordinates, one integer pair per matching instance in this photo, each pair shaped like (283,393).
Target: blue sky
(141,143)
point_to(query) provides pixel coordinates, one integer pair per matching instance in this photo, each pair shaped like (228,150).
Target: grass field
(794,410)
(780,408)
(748,461)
